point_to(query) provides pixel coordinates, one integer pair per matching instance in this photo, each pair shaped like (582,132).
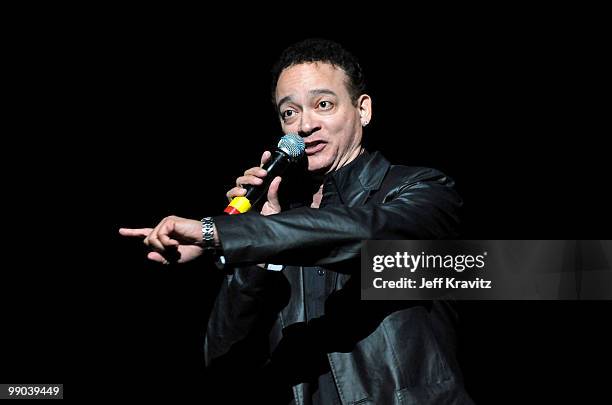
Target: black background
(150,117)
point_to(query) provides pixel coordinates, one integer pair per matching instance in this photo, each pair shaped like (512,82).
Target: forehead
(304,77)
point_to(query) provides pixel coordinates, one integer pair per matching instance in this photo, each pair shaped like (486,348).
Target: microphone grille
(293,145)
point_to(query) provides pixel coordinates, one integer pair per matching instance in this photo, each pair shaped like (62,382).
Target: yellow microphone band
(242,204)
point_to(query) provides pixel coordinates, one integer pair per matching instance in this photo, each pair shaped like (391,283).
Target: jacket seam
(392,350)
(332,367)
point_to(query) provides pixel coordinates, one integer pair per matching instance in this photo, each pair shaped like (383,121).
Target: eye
(325,105)
(285,115)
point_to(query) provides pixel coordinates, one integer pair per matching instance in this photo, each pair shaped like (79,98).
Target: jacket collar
(368,169)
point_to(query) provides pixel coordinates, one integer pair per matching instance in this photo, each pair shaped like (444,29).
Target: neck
(317,178)
(316,197)
(350,157)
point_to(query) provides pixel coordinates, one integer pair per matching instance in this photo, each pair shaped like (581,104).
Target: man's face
(313,100)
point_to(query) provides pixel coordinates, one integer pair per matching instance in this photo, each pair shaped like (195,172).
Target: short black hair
(322,50)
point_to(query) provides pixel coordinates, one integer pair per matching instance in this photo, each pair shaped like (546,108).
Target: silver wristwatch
(208,242)
(208,233)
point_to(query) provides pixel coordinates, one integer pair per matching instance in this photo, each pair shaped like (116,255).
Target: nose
(308,124)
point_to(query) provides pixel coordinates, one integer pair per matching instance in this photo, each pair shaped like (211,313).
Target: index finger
(135,232)
(265,157)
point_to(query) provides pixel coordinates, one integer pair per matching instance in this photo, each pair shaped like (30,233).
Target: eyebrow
(314,92)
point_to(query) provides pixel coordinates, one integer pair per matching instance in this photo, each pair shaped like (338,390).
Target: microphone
(289,150)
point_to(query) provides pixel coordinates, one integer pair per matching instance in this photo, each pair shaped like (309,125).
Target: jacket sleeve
(423,209)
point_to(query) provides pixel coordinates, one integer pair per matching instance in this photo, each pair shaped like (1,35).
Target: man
(302,334)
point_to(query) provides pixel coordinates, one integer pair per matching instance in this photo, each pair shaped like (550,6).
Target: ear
(364,104)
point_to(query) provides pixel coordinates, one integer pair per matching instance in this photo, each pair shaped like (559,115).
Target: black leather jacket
(283,328)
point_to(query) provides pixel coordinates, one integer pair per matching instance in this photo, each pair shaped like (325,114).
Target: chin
(317,164)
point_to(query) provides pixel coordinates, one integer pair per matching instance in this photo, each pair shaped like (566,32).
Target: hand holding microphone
(258,182)
(254,177)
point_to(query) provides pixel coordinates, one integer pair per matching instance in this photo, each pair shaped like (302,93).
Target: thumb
(273,192)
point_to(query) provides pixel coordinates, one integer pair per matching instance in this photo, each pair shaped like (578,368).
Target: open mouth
(314,147)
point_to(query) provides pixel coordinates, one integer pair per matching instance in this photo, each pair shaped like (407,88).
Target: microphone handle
(275,166)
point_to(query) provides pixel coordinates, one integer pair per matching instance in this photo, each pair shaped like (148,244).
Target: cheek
(288,129)
(339,125)
(341,129)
